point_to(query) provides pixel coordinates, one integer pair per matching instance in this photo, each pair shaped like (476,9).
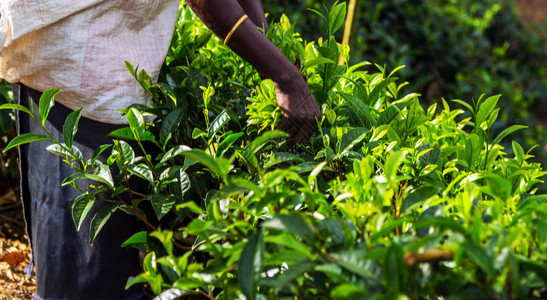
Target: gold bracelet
(236,25)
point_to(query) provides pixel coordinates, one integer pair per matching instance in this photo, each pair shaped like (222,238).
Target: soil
(14,250)
(532,11)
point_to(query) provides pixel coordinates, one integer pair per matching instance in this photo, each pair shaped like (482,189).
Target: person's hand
(298,109)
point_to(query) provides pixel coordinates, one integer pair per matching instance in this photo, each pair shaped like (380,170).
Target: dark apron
(66,265)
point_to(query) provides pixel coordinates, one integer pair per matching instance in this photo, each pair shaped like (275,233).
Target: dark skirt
(67,266)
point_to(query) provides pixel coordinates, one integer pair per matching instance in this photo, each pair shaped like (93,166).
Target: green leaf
(218,123)
(26,138)
(508,131)
(418,196)
(250,264)
(291,224)
(469,107)
(318,61)
(536,268)
(59,150)
(192,206)
(170,124)
(281,157)
(175,151)
(138,126)
(441,222)
(355,262)
(393,161)
(161,204)
(141,170)
(80,208)
(519,152)
(227,143)
(136,239)
(337,15)
(220,166)
(130,68)
(478,255)
(71,126)
(99,151)
(260,141)
(395,269)
(16,107)
(347,291)
(392,111)
(485,109)
(100,218)
(123,133)
(46,103)
(360,109)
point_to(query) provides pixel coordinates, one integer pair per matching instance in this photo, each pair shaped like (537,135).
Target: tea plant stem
(140,216)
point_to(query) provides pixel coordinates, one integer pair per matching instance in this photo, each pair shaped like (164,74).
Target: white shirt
(80,46)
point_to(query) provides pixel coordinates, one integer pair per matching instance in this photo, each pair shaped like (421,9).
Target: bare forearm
(247,41)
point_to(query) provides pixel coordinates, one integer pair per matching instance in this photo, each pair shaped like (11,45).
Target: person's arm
(253,8)
(293,96)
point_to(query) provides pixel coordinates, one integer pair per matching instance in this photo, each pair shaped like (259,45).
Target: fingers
(298,128)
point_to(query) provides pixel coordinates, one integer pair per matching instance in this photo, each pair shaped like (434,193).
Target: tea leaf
(99,220)
(170,124)
(395,269)
(80,209)
(218,123)
(141,170)
(136,239)
(161,204)
(291,224)
(16,107)
(360,109)
(46,103)
(227,143)
(26,138)
(479,256)
(485,109)
(71,126)
(508,131)
(337,15)
(260,141)
(250,264)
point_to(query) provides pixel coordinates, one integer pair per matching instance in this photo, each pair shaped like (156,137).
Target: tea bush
(390,199)
(452,50)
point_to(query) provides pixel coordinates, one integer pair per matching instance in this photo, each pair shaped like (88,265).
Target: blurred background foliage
(452,49)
